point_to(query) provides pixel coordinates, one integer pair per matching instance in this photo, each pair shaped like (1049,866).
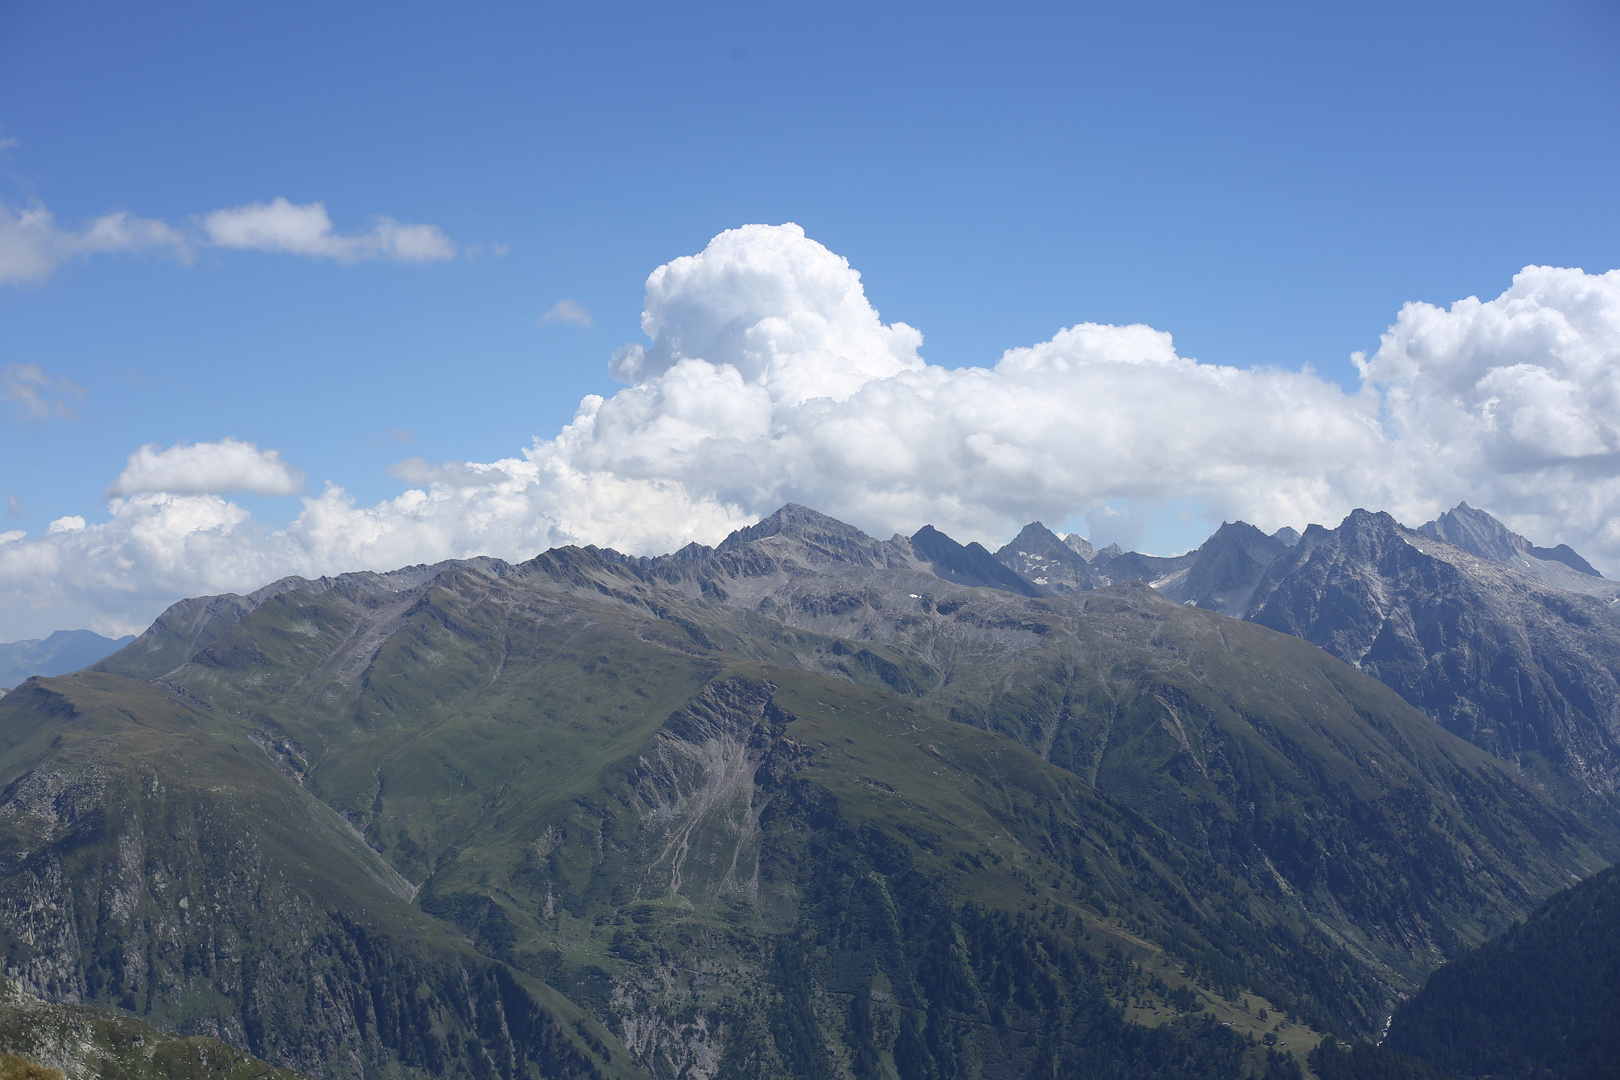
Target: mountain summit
(1478,532)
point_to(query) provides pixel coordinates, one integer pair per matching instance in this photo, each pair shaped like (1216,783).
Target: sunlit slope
(153,860)
(1284,764)
(589,848)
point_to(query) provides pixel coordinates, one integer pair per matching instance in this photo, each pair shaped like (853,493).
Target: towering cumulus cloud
(767,376)
(1514,403)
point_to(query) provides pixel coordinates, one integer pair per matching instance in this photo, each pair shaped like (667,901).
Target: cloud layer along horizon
(768,376)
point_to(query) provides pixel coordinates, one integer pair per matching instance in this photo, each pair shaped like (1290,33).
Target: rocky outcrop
(1058,566)
(90,1044)
(1526,670)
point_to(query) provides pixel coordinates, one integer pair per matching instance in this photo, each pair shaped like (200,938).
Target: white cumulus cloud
(216,468)
(306,229)
(1514,404)
(768,376)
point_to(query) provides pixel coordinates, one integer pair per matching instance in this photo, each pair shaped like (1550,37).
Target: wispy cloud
(306,229)
(32,245)
(33,394)
(571,312)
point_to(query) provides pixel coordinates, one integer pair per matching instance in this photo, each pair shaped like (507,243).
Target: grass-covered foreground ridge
(793,807)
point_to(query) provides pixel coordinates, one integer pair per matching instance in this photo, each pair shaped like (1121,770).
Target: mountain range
(813,804)
(57,654)
(1514,647)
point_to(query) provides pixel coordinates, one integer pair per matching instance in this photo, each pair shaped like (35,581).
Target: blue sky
(1267,182)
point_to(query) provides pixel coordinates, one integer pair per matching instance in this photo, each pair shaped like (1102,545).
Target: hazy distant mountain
(62,652)
(798,805)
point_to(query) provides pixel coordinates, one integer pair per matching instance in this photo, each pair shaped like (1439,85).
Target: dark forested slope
(1540,1001)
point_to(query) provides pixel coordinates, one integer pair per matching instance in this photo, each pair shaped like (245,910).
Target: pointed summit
(1224,571)
(1080,546)
(1040,556)
(969,565)
(827,536)
(1478,532)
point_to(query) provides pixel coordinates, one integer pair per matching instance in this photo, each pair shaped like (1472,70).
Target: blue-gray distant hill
(63,652)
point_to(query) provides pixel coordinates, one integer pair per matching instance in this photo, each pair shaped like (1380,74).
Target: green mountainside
(84,1043)
(795,806)
(1540,1001)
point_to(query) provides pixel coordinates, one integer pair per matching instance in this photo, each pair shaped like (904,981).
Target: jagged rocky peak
(1287,534)
(968,564)
(1362,533)
(1047,560)
(1080,546)
(826,536)
(1478,532)
(1223,573)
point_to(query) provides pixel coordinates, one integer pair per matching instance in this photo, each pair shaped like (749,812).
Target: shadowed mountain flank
(1541,1000)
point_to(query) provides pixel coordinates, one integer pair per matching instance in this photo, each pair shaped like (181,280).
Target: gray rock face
(1080,546)
(1056,565)
(1224,572)
(1112,566)
(969,565)
(1521,668)
(1477,532)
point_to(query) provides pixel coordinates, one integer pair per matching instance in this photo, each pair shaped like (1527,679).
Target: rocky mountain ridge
(805,803)
(1512,646)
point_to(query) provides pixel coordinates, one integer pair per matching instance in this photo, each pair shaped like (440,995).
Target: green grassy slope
(150,867)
